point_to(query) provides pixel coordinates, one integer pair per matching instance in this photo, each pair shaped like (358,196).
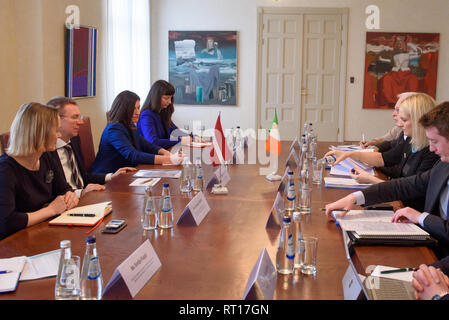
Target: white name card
(351,286)
(262,280)
(275,217)
(295,144)
(195,211)
(136,270)
(215,178)
(283,183)
(292,160)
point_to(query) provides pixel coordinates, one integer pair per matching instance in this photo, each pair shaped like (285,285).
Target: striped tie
(75,174)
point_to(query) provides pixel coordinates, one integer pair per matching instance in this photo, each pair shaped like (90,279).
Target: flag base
(273,177)
(218,189)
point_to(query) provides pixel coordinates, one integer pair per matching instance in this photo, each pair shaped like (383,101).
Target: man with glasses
(68,150)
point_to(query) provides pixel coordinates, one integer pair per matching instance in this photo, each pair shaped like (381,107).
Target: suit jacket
(154,130)
(79,158)
(122,147)
(402,162)
(428,184)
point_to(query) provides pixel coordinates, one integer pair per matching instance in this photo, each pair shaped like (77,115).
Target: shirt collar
(61,143)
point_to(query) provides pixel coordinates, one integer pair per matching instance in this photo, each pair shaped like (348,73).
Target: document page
(41,266)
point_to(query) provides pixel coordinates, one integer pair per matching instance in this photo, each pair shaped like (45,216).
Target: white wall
(241,15)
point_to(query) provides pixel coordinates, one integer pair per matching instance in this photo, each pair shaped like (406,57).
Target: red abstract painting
(397,62)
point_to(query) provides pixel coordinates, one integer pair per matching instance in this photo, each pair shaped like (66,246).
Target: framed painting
(397,62)
(81,62)
(203,67)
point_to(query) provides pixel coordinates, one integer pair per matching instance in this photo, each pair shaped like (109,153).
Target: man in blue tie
(432,184)
(69,153)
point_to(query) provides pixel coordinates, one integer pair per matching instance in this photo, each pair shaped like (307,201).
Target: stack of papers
(27,268)
(344,167)
(11,269)
(155,173)
(344,183)
(351,148)
(144,182)
(377,224)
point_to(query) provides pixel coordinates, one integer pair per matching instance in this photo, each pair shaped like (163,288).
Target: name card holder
(276,212)
(195,211)
(292,160)
(295,145)
(217,186)
(262,280)
(132,274)
(283,183)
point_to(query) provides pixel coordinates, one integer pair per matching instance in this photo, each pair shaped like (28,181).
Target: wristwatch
(438,296)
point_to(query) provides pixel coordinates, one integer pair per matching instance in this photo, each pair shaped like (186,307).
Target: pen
(398,270)
(82,214)
(6,271)
(146,181)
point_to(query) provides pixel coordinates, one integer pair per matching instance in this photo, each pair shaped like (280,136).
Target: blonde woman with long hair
(31,189)
(404,160)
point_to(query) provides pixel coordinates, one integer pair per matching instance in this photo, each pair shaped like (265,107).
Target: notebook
(100,210)
(13,267)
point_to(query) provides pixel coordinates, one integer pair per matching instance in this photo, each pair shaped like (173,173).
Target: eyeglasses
(76,117)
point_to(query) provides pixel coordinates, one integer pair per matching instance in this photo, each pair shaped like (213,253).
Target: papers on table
(198,144)
(13,268)
(404,276)
(43,265)
(27,268)
(377,224)
(155,173)
(351,148)
(144,182)
(344,167)
(344,183)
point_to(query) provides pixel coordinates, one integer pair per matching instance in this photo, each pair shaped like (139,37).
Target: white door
(281,73)
(300,73)
(320,90)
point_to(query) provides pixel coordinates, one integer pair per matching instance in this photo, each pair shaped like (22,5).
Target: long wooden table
(213,260)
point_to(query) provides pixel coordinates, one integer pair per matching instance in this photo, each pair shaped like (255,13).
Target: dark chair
(87,143)
(4,138)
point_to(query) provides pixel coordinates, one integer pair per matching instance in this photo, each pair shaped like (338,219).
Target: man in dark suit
(432,184)
(69,153)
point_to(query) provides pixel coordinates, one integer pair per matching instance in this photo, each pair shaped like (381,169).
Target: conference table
(211,261)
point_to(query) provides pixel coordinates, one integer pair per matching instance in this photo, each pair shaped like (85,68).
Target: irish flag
(274,140)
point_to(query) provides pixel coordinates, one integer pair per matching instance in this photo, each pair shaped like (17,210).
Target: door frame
(344,12)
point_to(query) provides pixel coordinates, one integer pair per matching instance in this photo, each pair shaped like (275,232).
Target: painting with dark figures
(397,62)
(203,67)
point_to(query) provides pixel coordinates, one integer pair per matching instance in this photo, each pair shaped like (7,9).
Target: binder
(374,227)
(401,242)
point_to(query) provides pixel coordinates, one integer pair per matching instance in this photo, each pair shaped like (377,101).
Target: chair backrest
(87,142)
(4,138)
